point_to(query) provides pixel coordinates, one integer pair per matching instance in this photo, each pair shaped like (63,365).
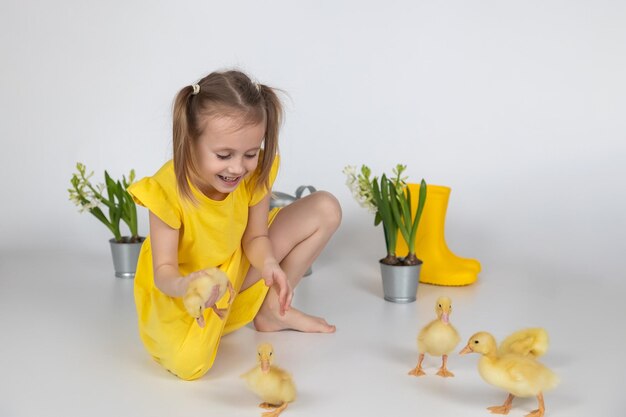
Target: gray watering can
(280,199)
(283,199)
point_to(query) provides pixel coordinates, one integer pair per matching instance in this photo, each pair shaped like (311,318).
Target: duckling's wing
(426,329)
(280,372)
(523,369)
(218,277)
(423,335)
(202,285)
(517,372)
(531,342)
(530,374)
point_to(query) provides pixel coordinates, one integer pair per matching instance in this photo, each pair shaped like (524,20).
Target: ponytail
(273,121)
(185,165)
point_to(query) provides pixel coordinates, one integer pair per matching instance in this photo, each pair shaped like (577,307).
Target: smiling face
(227,150)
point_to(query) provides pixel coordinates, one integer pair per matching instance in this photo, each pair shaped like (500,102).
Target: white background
(517,105)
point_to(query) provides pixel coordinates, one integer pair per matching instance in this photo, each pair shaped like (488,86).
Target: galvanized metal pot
(125,256)
(400,282)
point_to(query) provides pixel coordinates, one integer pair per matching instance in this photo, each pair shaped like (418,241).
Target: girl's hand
(274,276)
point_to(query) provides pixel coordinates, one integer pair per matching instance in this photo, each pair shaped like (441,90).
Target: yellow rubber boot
(441,266)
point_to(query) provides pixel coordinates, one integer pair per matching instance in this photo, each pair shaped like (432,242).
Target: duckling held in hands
(532,342)
(437,338)
(520,376)
(205,291)
(272,384)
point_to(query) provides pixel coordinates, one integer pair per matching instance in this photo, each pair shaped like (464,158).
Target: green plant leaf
(418,213)
(395,202)
(385,207)
(119,203)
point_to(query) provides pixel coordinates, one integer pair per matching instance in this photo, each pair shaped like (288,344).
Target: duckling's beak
(265,366)
(200,320)
(445,317)
(466,349)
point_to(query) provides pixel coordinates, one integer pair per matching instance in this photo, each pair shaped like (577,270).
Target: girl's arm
(164,240)
(258,249)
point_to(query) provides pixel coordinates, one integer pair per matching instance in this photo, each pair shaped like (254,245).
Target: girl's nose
(236,167)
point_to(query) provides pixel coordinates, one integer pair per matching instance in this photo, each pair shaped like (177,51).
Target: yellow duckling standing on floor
(437,338)
(520,376)
(200,291)
(272,384)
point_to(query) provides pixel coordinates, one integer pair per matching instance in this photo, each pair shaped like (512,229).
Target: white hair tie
(196,89)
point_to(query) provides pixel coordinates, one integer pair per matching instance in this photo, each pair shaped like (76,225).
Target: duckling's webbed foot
(276,412)
(443,371)
(221,312)
(504,408)
(499,409)
(231,293)
(417,371)
(538,412)
(267,406)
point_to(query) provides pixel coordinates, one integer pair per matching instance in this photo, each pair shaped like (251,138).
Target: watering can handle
(301,189)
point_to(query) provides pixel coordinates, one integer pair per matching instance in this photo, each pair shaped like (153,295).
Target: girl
(209,206)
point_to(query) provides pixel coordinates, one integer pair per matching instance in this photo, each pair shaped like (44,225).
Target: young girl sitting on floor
(209,207)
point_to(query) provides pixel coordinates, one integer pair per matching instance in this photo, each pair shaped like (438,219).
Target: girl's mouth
(229,180)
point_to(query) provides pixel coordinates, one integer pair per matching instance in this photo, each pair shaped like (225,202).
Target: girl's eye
(251,156)
(222,156)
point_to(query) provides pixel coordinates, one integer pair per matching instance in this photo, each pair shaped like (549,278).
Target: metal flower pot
(125,256)
(280,199)
(400,282)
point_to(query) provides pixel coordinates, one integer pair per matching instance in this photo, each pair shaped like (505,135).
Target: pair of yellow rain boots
(441,266)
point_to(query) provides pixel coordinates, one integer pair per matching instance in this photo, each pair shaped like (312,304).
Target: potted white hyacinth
(119,205)
(389,199)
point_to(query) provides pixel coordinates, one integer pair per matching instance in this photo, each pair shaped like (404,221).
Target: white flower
(360,186)
(81,194)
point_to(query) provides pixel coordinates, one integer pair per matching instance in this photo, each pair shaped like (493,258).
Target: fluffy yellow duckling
(272,384)
(520,376)
(437,338)
(200,290)
(532,342)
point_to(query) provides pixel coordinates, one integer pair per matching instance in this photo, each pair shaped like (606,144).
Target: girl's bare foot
(269,321)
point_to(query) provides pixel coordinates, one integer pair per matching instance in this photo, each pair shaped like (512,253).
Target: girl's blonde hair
(230,94)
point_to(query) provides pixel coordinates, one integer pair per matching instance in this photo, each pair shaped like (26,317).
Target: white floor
(69,346)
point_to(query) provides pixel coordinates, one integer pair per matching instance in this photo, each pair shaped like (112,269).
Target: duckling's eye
(271,353)
(259,353)
(475,342)
(439,305)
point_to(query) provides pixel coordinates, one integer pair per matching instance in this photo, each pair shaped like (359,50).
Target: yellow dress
(209,236)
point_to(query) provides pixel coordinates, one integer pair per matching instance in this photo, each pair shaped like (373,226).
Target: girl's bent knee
(329,208)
